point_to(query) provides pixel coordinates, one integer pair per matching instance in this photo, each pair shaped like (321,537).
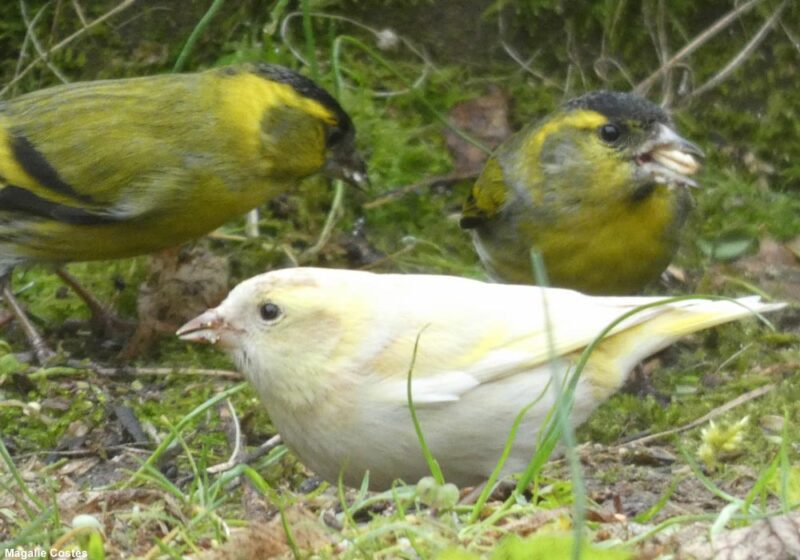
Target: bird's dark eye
(269,311)
(610,133)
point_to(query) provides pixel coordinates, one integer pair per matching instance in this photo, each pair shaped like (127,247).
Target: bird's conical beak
(349,167)
(208,328)
(669,158)
(356,177)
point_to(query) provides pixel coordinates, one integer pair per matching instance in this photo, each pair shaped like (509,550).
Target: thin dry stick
(23,51)
(29,25)
(695,44)
(145,448)
(79,12)
(599,69)
(791,36)
(741,399)
(736,61)
(388,258)
(573,53)
(515,56)
(157,549)
(612,30)
(54,23)
(663,52)
(287,250)
(94,23)
(227,374)
(70,535)
(400,192)
(263,449)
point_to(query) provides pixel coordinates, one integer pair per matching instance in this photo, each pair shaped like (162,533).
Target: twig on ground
(112,371)
(145,448)
(439,180)
(247,458)
(228,374)
(741,399)
(263,449)
(158,548)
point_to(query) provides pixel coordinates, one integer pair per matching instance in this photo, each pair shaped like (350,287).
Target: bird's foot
(103,319)
(44,355)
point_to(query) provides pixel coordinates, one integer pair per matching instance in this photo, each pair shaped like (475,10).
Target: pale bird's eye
(610,133)
(269,311)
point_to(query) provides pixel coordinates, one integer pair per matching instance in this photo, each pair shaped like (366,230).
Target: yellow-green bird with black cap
(599,188)
(117,168)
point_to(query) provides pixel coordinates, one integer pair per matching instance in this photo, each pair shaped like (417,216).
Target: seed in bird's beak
(358,179)
(670,159)
(677,160)
(349,167)
(204,328)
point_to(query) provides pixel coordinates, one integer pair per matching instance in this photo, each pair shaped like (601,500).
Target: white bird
(329,351)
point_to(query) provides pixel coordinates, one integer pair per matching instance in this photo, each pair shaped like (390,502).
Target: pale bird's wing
(471,333)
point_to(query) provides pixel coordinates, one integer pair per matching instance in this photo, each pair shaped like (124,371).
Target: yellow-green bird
(117,168)
(599,188)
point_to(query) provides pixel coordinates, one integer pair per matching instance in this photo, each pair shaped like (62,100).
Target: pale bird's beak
(208,328)
(670,159)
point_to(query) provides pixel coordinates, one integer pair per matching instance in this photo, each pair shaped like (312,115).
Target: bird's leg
(40,347)
(101,314)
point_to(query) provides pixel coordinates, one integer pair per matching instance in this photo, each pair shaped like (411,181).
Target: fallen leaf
(182,283)
(771,256)
(774,538)
(485,119)
(268,540)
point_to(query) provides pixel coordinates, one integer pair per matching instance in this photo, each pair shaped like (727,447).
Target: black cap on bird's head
(660,154)
(620,106)
(343,161)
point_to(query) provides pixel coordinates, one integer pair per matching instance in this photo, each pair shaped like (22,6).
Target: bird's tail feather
(678,320)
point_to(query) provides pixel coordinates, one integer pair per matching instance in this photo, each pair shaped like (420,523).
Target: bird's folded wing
(486,198)
(87,154)
(33,184)
(493,339)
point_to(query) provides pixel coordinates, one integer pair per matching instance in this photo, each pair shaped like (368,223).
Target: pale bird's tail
(679,319)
